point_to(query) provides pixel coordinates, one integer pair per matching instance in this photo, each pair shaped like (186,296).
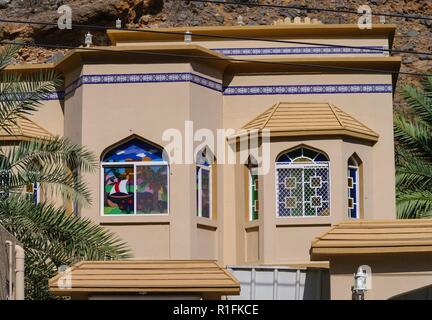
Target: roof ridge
(275,107)
(332,108)
(357,121)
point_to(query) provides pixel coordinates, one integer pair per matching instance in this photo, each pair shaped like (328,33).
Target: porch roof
(24,129)
(136,276)
(374,237)
(309,119)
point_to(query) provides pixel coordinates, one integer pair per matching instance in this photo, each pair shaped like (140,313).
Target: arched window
(302,183)
(253,189)
(353,192)
(135,179)
(204,161)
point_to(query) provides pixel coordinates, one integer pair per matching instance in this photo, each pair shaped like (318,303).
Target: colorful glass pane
(353,191)
(151,189)
(253,196)
(118,190)
(302,155)
(134,150)
(205,193)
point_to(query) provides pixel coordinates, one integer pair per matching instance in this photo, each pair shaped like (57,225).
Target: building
(324,92)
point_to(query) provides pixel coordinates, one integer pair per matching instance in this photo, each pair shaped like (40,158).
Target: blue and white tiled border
(309,89)
(144,78)
(326,50)
(216,86)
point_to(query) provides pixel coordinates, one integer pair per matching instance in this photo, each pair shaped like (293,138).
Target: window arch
(135,179)
(353,185)
(204,161)
(302,183)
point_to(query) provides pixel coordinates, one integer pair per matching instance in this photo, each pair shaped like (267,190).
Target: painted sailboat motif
(120,190)
(119,187)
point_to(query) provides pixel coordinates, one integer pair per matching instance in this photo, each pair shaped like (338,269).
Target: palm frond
(7,54)
(415,174)
(414,204)
(52,237)
(419,102)
(22,95)
(415,137)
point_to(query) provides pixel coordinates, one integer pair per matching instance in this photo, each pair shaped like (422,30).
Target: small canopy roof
(374,237)
(137,276)
(24,129)
(309,119)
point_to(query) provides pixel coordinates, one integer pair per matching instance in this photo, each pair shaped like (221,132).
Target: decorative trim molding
(308,89)
(326,50)
(144,78)
(216,86)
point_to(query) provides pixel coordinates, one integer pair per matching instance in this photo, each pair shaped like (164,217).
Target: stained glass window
(253,193)
(353,189)
(302,183)
(135,179)
(204,160)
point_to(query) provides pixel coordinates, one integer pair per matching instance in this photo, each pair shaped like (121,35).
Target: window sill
(148,219)
(252,224)
(308,221)
(205,223)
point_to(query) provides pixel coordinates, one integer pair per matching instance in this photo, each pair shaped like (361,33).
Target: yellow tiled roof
(25,129)
(134,276)
(308,119)
(374,237)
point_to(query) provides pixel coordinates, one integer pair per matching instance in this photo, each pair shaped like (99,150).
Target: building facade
(322,93)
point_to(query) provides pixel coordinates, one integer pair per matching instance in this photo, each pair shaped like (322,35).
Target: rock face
(412,35)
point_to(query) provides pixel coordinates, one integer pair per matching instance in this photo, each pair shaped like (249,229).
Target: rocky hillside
(411,34)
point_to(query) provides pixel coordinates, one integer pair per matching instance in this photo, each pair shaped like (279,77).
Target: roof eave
(244,134)
(263,31)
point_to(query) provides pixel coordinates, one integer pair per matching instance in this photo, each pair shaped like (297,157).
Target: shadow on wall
(424,293)
(317,285)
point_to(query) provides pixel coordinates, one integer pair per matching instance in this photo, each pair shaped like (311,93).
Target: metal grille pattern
(303,190)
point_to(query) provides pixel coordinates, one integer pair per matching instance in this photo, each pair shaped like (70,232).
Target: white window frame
(251,204)
(199,204)
(135,164)
(357,188)
(285,165)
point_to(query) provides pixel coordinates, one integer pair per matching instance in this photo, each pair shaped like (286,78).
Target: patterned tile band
(309,89)
(301,50)
(144,78)
(213,85)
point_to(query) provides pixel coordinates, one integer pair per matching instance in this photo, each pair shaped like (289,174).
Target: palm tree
(413,135)
(50,234)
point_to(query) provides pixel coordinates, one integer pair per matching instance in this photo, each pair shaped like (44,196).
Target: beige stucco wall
(99,115)
(288,239)
(392,274)
(108,113)
(90,119)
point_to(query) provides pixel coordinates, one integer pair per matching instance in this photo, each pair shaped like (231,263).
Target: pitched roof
(310,119)
(134,276)
(374,237)
(24,129)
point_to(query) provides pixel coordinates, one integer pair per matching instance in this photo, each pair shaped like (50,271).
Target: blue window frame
(353,192)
